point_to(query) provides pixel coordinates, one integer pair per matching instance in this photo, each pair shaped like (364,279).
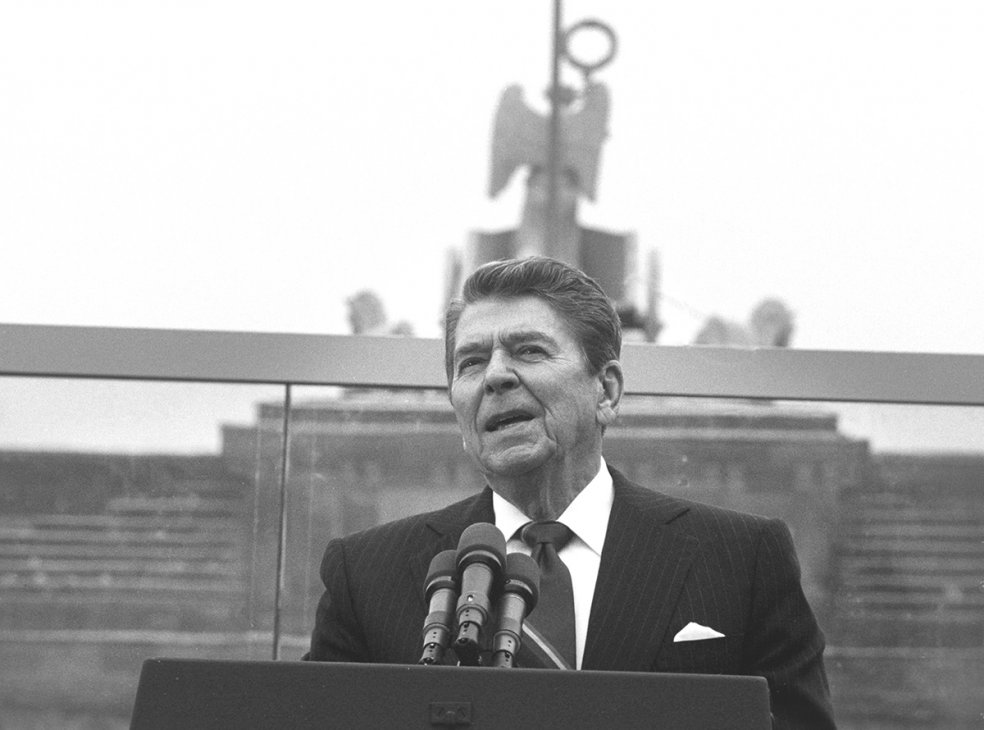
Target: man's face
(521,388)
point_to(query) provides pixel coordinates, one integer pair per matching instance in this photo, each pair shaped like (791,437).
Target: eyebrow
(517,338)
(510,339)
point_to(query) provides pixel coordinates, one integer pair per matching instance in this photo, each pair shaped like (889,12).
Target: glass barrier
(132,524)
(141,515)
(360,457)
(885,502)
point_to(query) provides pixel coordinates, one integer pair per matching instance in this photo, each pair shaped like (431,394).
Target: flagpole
(553,245)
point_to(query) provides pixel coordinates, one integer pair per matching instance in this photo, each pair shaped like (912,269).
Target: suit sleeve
(337,635)
(784,642)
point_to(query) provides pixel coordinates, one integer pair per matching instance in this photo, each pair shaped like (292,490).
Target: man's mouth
(505,420)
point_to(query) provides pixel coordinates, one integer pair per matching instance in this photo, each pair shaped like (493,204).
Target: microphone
(519,596)
(481,555)
(440,591)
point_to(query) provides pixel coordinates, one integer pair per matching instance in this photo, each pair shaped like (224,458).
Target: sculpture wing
(585,132)
(519,137)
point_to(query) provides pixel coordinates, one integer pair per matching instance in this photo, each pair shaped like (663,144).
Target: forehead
(494,319)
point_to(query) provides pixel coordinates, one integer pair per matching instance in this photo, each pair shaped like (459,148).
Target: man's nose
(499,374)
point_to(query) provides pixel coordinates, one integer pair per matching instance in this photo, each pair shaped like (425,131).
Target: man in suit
(657,583)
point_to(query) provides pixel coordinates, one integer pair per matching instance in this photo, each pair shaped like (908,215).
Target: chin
(515,464)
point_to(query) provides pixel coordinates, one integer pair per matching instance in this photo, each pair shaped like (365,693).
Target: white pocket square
(697,632)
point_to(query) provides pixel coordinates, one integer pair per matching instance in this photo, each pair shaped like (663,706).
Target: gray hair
(574,295)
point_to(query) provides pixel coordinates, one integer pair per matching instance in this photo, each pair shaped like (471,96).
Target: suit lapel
(643,566)
(445,528)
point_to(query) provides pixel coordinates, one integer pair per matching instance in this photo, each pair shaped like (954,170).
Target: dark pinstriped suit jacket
(666,562)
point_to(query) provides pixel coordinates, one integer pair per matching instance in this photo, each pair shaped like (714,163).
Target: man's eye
(467,363)
(526,350)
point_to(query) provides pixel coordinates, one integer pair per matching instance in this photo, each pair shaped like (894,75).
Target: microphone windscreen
(482,537)
(442,572)
(522,570)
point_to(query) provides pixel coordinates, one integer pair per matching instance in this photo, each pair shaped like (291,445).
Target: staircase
(907,627)
(175,563)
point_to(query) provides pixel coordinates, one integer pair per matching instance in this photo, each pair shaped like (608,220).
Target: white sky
(248,165)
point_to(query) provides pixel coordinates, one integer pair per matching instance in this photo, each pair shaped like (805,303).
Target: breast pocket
(706,656)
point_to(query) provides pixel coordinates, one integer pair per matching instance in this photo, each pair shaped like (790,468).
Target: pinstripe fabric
(666,562)
(538,653)
(373,606)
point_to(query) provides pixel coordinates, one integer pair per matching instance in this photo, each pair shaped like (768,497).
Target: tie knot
(536,533)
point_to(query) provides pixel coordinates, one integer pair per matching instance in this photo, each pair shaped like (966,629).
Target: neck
(544,493)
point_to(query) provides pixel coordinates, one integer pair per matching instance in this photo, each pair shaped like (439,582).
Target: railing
(240,357)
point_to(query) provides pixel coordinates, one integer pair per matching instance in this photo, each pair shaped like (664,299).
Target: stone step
(160,537)
(905,530)
(180,521)
(161,566)
(969,515)
(938,565)
(910,601)
(967,584)
(118,584)
(181,505)
(108,551)
(910,547)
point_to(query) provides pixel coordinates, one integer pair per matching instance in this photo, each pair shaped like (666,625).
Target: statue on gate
(561,154)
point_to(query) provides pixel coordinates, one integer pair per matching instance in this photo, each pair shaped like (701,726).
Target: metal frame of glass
(399,362)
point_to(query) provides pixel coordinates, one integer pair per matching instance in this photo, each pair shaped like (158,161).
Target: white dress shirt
(587,517)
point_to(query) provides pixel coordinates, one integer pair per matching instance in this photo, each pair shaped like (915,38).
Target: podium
(188,694)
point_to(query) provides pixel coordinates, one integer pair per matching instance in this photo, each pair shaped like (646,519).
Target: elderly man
(656,583)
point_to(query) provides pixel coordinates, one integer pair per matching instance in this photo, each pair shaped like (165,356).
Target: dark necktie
(554,612)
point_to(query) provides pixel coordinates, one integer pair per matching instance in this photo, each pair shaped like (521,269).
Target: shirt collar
(587,516)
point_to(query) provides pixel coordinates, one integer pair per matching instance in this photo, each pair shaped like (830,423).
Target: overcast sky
(248,165)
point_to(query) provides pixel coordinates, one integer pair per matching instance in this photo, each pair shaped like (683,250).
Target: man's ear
(612,384)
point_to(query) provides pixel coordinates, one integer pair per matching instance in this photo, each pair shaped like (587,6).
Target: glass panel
(133,523)
(885,502)
(360,457)
(886,506)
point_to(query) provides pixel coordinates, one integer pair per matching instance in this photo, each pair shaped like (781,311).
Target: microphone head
(523,576)
(442,573)
(482,542)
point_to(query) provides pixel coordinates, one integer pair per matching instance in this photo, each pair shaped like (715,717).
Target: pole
(552,234)
(279,586)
